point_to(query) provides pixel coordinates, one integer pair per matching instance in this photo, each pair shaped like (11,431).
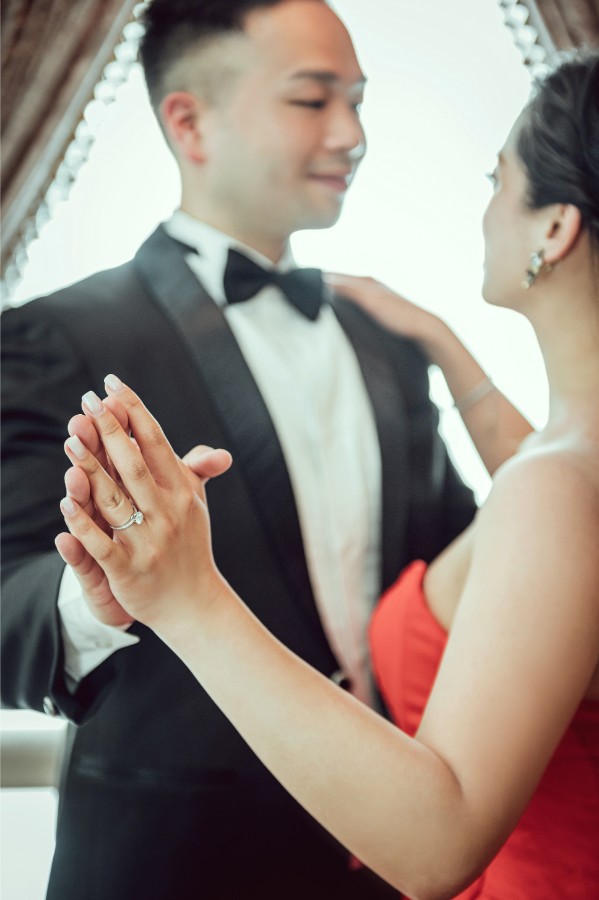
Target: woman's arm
(428,813)
(496,427)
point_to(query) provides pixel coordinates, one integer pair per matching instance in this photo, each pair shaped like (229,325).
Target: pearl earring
(535,267)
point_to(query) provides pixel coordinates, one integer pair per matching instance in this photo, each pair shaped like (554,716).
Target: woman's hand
(168,555)
(392,310)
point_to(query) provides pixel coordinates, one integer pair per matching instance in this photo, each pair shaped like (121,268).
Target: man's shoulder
(403,356)
(98,288)
(121,291)
(347,311)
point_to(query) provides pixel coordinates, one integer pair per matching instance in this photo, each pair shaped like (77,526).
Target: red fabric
(553,854)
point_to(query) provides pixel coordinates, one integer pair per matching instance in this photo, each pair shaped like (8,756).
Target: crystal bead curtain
(62,63)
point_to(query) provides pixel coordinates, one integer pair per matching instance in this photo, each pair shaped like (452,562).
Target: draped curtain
(54,53)
(564,24)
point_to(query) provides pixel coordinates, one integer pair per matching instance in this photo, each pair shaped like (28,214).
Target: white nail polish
(113,383)
(93,403)
(68,506)
(76,447)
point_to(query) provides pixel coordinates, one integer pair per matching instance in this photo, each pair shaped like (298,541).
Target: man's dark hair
(559,140)
(174,27)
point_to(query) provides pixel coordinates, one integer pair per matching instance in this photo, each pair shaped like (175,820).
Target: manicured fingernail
(113,383)
(93,403)
(68,506)
(76,447)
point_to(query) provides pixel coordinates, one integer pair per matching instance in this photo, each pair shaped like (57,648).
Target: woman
(489,659)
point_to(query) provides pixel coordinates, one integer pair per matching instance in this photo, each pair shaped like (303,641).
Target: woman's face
(508,228)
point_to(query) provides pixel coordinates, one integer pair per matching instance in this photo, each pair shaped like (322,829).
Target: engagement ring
(136,518)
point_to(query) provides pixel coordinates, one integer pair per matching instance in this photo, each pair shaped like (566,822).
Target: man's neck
(272,248)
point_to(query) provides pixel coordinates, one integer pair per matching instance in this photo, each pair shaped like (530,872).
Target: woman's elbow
(445,873)
(436,886)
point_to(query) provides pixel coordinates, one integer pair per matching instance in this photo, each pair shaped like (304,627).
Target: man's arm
(42,382)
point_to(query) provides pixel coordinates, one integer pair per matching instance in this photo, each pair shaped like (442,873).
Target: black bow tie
(304,288)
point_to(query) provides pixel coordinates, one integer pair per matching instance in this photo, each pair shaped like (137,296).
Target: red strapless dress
(553,854)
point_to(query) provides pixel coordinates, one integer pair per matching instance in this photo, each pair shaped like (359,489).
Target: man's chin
(322,219)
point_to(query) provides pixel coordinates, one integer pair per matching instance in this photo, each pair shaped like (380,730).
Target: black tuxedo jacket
(160,796)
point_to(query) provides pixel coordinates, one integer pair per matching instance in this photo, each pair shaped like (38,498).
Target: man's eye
(310,104)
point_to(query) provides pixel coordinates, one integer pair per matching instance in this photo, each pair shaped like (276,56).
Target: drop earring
(535,267)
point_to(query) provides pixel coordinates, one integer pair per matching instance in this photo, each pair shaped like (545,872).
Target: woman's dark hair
(559,139)
(173,27)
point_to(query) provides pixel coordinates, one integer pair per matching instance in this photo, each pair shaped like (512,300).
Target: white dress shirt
(310,380)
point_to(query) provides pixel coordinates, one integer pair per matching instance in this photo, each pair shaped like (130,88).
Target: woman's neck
(567,328)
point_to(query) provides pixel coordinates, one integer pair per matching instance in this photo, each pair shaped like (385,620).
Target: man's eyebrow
(324,77)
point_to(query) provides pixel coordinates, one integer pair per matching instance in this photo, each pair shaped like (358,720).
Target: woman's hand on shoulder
(391,309)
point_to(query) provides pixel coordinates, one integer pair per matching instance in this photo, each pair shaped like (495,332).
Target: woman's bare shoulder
(544,504)
(542,511)
(547,473)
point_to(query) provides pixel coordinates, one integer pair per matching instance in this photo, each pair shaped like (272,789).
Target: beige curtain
(53,55)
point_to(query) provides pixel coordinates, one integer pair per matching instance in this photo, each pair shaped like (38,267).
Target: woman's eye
(492,178)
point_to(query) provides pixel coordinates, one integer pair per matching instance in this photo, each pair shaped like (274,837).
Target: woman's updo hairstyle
(559,139)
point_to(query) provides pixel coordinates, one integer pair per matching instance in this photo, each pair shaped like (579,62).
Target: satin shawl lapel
(238,404)
(382,381)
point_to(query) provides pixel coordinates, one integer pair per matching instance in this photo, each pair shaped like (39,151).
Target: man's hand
(203,463)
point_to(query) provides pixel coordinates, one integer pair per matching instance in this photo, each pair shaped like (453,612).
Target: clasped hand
(153,570)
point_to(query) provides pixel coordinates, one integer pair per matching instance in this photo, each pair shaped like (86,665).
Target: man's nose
(345,133)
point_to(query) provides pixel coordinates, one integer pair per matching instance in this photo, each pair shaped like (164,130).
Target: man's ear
(181,114)
(562,231)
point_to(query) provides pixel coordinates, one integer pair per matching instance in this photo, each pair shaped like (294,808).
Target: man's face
(282,146)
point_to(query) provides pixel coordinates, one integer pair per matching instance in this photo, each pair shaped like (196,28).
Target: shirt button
(49,706)
(341,679)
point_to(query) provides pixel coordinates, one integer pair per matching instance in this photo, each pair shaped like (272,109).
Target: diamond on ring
(136,518)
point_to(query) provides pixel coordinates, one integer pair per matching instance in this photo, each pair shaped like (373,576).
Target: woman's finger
(354,283)
(123,454)
(94,583)
(110,501)
(158,454)
(119,412)
(84,428)
(365,291)
(390,309)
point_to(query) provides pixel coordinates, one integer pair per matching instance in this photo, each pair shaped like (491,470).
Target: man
(339,476)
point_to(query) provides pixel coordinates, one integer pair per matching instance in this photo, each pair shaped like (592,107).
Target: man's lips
(337,181)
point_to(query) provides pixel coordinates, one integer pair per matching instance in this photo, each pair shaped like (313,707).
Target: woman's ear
(562,232)
(181,115)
